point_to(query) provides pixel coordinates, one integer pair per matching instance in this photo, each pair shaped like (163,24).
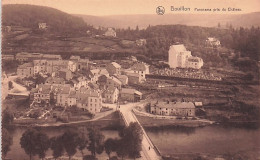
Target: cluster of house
(211,41)
(179,57)
(67,84)
(183,109)
(37,63)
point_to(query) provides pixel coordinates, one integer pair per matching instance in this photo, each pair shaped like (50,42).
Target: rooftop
(116,65)
(175,105)
(110,90)
(25,65)
(178,48)
(130,91)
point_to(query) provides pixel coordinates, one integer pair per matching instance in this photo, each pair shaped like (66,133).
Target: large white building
(181,58)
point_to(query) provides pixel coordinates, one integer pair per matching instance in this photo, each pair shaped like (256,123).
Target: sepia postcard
(130,80)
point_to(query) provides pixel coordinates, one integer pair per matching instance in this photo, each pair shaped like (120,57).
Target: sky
(126,7)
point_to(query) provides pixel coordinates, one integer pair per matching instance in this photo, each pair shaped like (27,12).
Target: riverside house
(185,109)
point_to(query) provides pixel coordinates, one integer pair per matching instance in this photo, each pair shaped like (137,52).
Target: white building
(42,25)
(180,57)
(110,33)
(213,41)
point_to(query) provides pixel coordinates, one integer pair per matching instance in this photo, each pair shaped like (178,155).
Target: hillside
(65,34)
(30,15)
(204,20)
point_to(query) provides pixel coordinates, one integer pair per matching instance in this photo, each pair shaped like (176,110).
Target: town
(71,90)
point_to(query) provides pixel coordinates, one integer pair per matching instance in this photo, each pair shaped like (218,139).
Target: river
(213,139)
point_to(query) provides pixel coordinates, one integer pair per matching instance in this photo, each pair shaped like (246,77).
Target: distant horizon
(145,7)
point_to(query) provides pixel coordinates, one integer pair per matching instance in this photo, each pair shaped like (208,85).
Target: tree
(57,146)
(8,117)
(7,141)
(110,146)
(70,141)
(122,148)
(132,136)
(42,144)
(83,141)
(96,140)
(28,142)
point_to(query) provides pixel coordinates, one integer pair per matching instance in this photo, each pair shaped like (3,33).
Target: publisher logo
(160,10)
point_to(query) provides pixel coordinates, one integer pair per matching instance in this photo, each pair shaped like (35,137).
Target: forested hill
(204,20)
(30,15)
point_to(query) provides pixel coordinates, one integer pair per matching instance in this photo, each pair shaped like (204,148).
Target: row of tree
(35,142)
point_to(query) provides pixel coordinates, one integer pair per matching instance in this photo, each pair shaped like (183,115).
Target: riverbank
(111,121)
(152,122)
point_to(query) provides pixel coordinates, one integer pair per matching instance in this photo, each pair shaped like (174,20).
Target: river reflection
(214,139)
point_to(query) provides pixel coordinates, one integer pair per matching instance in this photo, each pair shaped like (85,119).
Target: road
(148,150)
(17,90)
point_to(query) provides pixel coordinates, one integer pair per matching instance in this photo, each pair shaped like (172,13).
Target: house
(110,95)
(129,94)
(42,26)
(42,93)
(79,82)
(194,62)
(40,66)
(94,74)
(25,70)
(184,109)
(141,68)
(72,66)
(56,65)
(102,81)
(7,57)
(140,42)
(72,99)
(198,104)
(134,78)
(90,100)
(110,33)
(55,81)
(26,57)
(179,57)
(214,42)
(65,74)
(113,68)
(122,78)
(83,64)
(113,82)
(63,96)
